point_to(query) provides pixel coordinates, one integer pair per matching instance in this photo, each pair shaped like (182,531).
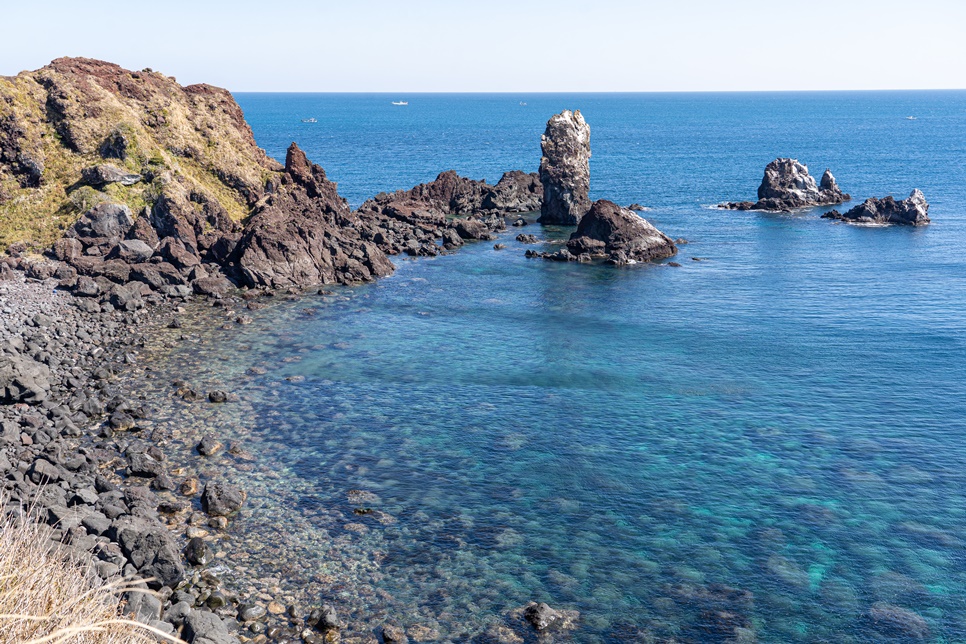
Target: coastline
(141,429)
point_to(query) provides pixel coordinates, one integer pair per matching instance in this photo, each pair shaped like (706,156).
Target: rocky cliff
(565,169)
(913,211)
(79,133)
(787,185)
(129,177)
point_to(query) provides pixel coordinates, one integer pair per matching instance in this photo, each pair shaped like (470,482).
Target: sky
(505,45)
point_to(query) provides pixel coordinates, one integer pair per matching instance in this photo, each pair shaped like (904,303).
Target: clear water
(785,417)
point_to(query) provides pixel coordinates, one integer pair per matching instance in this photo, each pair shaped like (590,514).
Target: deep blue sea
(786,416)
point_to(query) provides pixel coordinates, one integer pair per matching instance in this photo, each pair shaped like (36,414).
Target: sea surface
(771,436)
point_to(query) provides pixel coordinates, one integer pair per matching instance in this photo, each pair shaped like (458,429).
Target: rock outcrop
(565,169)
(619,235)
(788,185)
(913,211)
(305,234)
(80,132)
(411,221)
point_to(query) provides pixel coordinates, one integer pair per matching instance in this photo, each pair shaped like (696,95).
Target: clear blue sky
(505,45)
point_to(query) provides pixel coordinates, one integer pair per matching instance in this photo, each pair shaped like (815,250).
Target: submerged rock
(620,235)
(913,211)
(787,185)
(565,169)
(894,623)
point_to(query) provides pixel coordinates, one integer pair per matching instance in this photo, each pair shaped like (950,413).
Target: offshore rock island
(787,185)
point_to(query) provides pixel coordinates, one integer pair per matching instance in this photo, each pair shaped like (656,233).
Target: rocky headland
(565,169)
(787,186)
(912,211)
(125,197)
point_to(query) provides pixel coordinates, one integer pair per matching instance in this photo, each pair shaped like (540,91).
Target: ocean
(769,437)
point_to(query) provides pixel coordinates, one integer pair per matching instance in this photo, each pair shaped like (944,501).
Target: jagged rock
(787,185)
(67,249)
(105,174)
(516,191)
(150,549)
(565,169)
(221,499)
(306,235)
(608,230)
(108,221)
(913,211)
(23,380)
(212,286)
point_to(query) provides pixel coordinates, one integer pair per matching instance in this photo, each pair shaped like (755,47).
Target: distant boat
(523,104)
(910,118)
(400,102)
(312,120)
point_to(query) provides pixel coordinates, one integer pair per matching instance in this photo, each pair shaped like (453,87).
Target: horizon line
(549,92)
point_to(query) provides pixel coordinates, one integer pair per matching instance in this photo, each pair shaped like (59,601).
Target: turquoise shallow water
(784,417)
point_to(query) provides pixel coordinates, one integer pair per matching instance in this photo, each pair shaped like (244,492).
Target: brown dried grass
(48,596)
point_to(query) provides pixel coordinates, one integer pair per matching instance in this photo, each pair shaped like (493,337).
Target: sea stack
(619,235)
(787,185)
(913,211)
(565,169)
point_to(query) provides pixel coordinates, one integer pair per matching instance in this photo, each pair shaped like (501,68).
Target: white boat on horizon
(910,118)
(400,102)
(311,120)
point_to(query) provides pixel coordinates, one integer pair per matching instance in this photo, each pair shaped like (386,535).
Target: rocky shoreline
(81,451)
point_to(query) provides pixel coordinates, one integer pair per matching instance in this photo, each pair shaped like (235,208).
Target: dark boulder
(23,380)
(198,553)
(108,221)
(608,230)
(150,549)
(913,211)
(565,169)
(221,499)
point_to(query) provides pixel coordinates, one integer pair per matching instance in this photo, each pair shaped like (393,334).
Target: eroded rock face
(913,211)
(565,169)
(620,235)
(788,185)
(305,234)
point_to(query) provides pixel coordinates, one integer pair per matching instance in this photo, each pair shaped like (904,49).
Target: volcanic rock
(565,169)
(913,211)
(788,185)
(620,235)
(305,234)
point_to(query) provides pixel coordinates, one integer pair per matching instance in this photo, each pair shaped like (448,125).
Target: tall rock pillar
(565,169)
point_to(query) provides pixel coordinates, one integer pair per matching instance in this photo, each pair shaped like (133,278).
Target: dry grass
(49,597)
